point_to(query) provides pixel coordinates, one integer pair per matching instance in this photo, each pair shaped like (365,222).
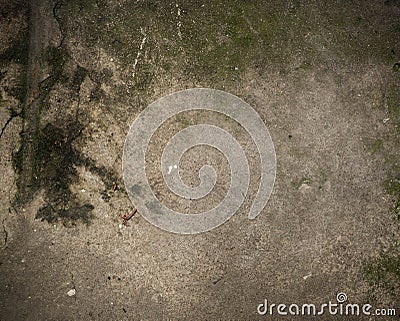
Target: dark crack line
(5,233)
(56,7)
(5,126)
(75,137)
(8,122)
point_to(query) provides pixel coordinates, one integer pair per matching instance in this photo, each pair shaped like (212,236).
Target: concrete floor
(74,76)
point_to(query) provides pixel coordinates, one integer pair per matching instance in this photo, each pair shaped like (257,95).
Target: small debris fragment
(216,280)
(115,186)
(71,292)
(304,187)
(127,217)
(386,120)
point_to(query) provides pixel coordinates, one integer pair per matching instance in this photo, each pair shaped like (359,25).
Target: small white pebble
(71,292)
(171,167)
(386,120)
(23,261)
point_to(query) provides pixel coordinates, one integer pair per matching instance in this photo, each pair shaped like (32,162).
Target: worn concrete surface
(324,77)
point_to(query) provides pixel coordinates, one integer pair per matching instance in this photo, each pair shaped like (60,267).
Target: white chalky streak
(179,24)
(139,52)
(170,168)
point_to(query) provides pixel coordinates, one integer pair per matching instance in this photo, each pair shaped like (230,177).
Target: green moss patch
(205,41)
(56,162)
(384,273)
(392,187)
(17,53)
(375,146)
(54,171)
(54,156)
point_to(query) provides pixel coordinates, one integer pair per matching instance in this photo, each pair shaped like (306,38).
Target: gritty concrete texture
(211,101)
(74,75)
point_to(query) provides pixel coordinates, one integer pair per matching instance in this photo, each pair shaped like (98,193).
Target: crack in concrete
(57,6)
(7,123)
(5,233)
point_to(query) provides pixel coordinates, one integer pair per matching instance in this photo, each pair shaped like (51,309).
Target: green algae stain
(384,273)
